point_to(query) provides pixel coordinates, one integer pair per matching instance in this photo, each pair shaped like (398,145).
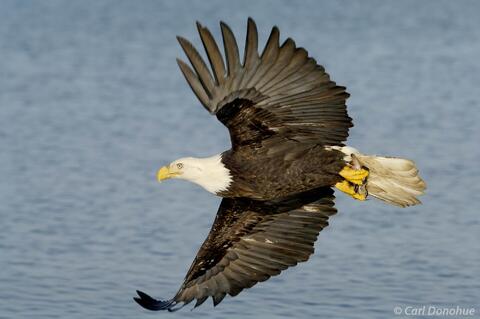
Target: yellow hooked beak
(165,173)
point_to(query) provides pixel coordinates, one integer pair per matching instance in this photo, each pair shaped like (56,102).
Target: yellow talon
(346,187)
(351,189)
(359,196)
(355,176)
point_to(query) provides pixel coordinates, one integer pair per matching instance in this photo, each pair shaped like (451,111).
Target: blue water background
(92,104)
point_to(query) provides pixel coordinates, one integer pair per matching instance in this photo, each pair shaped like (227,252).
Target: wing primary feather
(218,298)
(272,44)
(195,84)
(198,64)
(251,60)
(150,303)
(213,54)
(231,49)
(251,45)
(300,57)
(200,301)
(268,58)
(282,63)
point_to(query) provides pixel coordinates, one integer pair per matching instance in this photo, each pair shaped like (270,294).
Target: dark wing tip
(199,26)
(150,303)
(181,39)
(252,24)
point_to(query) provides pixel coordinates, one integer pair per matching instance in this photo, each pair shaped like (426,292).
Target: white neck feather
(210,173)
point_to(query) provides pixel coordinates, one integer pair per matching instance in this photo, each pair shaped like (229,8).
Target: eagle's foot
(358,192)
(354,176)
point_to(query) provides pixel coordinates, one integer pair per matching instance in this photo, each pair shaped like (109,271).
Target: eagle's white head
(210,172)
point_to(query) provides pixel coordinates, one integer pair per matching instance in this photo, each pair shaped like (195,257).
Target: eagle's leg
(356,191)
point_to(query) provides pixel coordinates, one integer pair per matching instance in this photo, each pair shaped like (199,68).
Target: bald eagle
(288,122)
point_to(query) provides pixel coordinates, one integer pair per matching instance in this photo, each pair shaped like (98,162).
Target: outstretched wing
(249,242)
(282,93)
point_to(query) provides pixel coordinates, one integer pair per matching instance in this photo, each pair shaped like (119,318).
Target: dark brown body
(272,175)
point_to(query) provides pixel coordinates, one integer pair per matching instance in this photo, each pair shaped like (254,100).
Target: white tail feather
(392,180)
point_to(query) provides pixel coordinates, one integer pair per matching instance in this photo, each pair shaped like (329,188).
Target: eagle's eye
(179,165)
